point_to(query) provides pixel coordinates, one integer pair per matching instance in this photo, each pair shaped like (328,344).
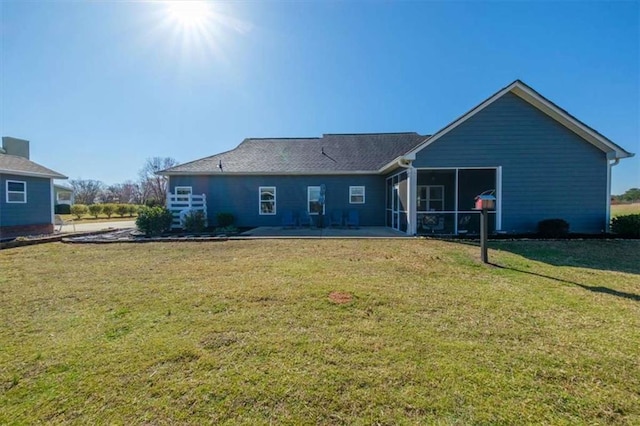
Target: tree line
(630,196)
(150,188)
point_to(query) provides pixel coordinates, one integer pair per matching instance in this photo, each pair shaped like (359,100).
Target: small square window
(183,193)
(356,195)
(16,191)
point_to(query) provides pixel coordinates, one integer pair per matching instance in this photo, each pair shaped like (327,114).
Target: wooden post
(484,232)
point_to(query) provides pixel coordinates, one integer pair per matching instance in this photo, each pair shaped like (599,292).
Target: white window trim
(16,192)
(351,195)
(428,198)
(309,188)
(183,197)
(260,200)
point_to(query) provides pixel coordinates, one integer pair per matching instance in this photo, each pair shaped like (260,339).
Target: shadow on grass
(599,289)
(603,255)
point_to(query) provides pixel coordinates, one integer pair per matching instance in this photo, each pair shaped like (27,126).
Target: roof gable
(538,101)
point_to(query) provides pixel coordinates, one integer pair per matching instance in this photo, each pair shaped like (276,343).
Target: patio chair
(433,222)
(288,221)
(353,219)
(305,219)
(60,222)
(336,218)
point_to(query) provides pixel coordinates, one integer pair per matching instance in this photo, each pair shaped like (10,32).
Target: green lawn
(244,332)
(622,209)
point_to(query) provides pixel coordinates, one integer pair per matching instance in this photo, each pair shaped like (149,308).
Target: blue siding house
(538,160)
(26,192)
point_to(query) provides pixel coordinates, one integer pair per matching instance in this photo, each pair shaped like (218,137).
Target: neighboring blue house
(538,160)
(26,192)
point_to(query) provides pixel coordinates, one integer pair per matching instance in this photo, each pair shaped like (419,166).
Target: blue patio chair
(288,221)
(353,220)
(305,219)
(336,218)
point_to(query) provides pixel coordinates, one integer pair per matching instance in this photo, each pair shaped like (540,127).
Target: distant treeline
(631,196)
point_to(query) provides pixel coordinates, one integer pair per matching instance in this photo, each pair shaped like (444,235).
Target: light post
(484,203)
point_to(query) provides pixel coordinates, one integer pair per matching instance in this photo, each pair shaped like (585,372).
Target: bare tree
(86,191)
(154,186)
(127,192)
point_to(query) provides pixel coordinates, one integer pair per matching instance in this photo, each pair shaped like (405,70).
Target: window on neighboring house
(64,196)
(356,195)
(314,200)
(16,191)
(183,193)
(267,200)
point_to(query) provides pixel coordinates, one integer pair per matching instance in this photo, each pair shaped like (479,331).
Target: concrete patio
(300,232)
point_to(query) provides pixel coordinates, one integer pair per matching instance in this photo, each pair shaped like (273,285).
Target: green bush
(194,221)
(122,209)
(154,220)
(227,230)
(62,209)
(225,219)
(627,225)
(132,209)
(108,209)
(79,210)
(553,228)
(95,210)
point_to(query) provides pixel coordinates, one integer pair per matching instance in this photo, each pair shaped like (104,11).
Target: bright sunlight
(188,13)
(198,29)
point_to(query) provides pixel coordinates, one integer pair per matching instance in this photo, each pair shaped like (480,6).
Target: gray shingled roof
(332,153)
(12,164)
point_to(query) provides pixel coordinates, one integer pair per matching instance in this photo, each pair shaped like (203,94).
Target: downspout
(610,164)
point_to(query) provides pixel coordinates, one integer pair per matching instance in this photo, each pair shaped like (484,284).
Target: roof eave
(33,174)
(307,173)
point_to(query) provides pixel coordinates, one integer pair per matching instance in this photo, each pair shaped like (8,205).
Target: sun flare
(187,13)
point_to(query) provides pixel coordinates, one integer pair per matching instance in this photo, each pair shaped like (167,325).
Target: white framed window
(183,192)
(16,191)
(267,196)
(63,196)
(356,195)
(315,203)
(430,198)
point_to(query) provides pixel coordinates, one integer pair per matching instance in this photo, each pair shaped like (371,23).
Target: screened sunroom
(440,201)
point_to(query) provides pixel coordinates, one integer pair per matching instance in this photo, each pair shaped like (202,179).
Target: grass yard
(244,332)
(622,209)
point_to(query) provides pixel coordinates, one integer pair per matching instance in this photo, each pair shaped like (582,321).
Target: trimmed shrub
(95,210)
(194,221)
(553,228)
(132,209)
(122,209)
(79,210)
(627,225)
(154,220)
(62,209)
(227,230)
(153,203)
(108,209)
(225,219)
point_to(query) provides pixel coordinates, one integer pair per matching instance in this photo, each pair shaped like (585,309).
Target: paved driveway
(97,226)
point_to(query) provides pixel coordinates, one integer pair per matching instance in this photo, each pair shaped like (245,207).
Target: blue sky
(99,86)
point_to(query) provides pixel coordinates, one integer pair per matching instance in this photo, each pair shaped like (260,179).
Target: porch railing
(179,202)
